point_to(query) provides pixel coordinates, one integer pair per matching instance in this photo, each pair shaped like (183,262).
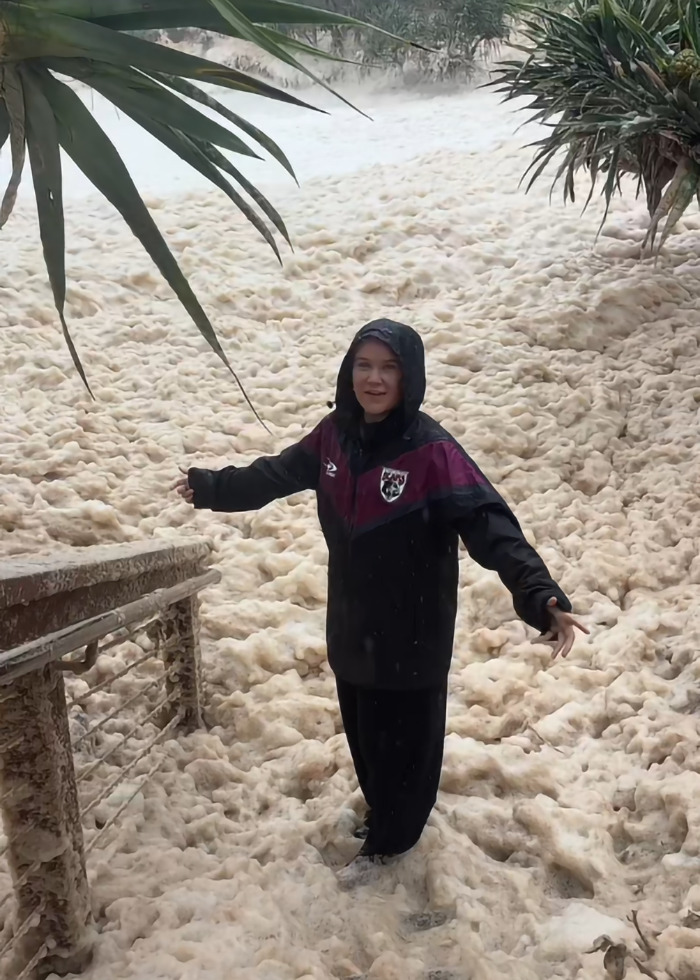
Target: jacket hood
(408,347)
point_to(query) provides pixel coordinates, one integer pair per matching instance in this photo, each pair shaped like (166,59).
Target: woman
(395,493)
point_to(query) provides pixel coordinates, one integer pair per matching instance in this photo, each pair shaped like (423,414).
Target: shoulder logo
(392,484)
(330,467)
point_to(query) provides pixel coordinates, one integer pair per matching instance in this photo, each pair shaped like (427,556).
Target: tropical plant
(618,84)
(450,29)
(91,41)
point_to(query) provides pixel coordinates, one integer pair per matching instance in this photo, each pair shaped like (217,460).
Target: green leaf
(45,162)
(598,78)
(593,168)
(688,22)
(167,127)
(94,153)
(4,124)
(538,165)
(142,15)
(187,149)
(219,160)
(679,193)
(612,183)
(155,101)
(684,101)
(11,90)
(190,151)
(249,31)
(39,34)
(131,15)
(192,91)
(287,41)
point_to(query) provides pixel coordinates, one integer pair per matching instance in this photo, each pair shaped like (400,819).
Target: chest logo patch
(392,484)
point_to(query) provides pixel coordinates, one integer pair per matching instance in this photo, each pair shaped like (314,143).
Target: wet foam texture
(569,368)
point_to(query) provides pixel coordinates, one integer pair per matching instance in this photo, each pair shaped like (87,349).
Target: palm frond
(11,88)
(191,91)
(95,155)
(617,82)
(679,194)
(141,15)
(4,124)
(45,162)
(154,100)
(159,87)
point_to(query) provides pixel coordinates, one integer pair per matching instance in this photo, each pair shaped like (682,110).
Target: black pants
(396,741)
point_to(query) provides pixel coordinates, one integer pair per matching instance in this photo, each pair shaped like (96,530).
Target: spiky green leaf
(679,193)
(45,163)
(219,160)
(617,83)
(186,147)
(94,153)
(126,90)
(4,124)
(192,91)
(11,88)
(268,42)
(155,101)
(39,34)
(83,38)
(134,15)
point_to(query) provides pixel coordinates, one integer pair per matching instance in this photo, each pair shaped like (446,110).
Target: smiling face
(376,379)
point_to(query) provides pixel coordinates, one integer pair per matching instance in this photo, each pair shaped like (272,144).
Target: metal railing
(73,731)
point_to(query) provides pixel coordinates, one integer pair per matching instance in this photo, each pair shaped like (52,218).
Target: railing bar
(120,745)
(11,840)
(115,677)
(22,930)
(10,745)
(34,961)
(38,653)
(120,707)
(113,819)
(7,796)
(123,634)
(15,837)
(20,882)
(144,752)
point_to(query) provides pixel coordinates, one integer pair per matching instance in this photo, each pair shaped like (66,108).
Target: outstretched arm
(493,537)
(239,488)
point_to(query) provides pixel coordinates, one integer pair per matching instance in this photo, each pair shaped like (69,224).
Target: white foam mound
(569,369)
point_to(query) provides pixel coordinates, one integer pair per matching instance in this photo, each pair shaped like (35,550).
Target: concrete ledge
(41,595)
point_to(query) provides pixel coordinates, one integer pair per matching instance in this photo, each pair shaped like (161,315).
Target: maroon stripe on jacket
(432,471)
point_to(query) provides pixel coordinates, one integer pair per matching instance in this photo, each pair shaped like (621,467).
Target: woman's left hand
(563,631)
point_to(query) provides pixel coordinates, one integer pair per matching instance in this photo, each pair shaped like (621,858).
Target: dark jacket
(393,501)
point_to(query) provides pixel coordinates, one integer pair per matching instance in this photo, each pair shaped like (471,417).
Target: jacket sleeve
(493,537)
(239,488)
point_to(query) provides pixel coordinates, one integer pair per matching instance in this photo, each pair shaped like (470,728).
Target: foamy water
(569,369)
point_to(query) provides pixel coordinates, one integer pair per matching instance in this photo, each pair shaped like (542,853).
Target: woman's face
(376,379)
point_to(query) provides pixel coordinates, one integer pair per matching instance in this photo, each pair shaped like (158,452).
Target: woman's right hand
(183,488)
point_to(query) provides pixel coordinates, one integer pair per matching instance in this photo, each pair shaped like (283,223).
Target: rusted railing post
(41,818)
(179,635)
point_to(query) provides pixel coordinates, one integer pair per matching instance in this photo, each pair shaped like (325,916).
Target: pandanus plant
(44,42)
(617,83)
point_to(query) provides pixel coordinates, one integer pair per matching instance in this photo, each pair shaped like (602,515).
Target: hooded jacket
(394,498)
